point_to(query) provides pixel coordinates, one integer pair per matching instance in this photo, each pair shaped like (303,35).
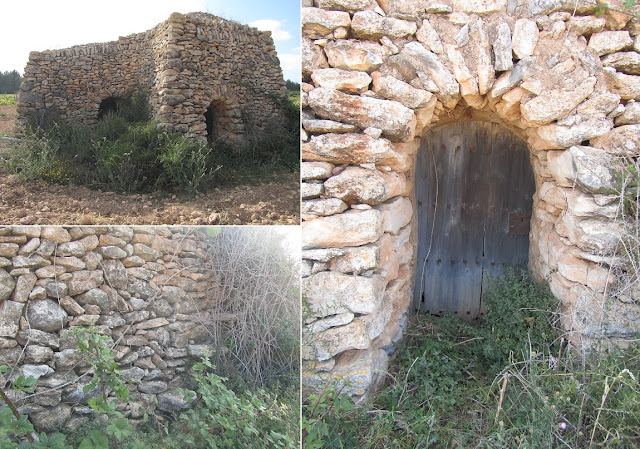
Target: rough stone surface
(354,55)
(351,228)
(607,42)
(525,37)
(396,121)
(586,167)
(372,26)
(46,315)
(7,284)
(330,293)
(345,80)
(621,141)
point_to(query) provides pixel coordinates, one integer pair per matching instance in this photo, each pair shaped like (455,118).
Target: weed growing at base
(507,382)
(126,152)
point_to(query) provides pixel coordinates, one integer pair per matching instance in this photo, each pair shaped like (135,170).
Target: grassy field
(8,99)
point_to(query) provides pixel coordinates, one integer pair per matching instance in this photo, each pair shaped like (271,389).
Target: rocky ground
(35,202)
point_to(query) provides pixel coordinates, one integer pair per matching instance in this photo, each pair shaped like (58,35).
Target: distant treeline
(10,82)
(293,86)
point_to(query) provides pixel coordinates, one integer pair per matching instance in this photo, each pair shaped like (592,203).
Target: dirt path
(38,203)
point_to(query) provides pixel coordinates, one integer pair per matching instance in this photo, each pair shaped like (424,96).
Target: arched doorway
(473,191)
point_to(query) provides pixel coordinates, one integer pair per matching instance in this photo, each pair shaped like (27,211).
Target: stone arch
(378,78)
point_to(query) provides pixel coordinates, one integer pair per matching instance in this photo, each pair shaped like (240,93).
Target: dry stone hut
(205,76)
(443,139)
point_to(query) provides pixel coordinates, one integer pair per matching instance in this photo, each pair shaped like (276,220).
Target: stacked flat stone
(377,75)
(145,288)
(185,64)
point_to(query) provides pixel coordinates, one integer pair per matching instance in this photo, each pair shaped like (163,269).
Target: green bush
(126,152)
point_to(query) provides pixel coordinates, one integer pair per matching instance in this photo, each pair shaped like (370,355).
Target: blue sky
(45,24)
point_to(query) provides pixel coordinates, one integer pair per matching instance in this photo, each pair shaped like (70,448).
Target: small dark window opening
(210,120)
(107,106)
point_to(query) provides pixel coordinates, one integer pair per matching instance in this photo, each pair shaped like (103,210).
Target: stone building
(444,139)
(205,76)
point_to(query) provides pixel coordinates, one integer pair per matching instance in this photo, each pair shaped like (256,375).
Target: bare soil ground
(35,202)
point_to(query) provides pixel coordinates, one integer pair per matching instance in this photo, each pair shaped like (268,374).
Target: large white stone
(315,170)
(429,37)
(344,5)
(607,42)
(317,23)
(485,69)
(347,149)
(479,7)
(312,57)
(322,207)
(329,293)
(631,114)
(339,339)
(396,121)
(46,315)
(351,228)
(357,260)
(356,184)
(586,24)
(554,104)
(371,25)
(350,81)
(621,141)
(7,284)
(525,37)
(394,89)
(557,136)
(627,86)
(626,62)
(585,167)
(502,49)
(356,55)
(396,214)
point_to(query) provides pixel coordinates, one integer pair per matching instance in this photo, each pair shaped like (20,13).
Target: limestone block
(479,7)
(596,236)
(315,170)
(355,55)
(356,184)
(599,103)
(7,285)
(509,105)
(31,261)
(396,214)
(38,337)
(588,168)
(71,249)
(115,273)
(345,80)
(586,24)
(95,297)
(329,293)
(89,242)
(10,313)
(339,339)
(525,38)
(396,121)
(327,323)
(626,62)
(357,260)
(317,22)
(323,255)
(394,89)
(428,36)
(502,49)
(606,42)
(344,5)
(370,25)
(510,79)
(35,354)
(322,207)
(631,114)
(46,315)
(416,57)
(556,136)
(71,306)
(327,126)
(52,419)
(313,57)
(486,71)
(347,149)
(466,79)
(351,228)
(173,401)
(627,86)
(24,285)
(56,234)
(584,205)
(554,104)
(56,289)
(311,190)
(622,141)
(9,249)
(85,280)
(70,263)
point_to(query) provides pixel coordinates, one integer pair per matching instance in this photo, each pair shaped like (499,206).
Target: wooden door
(473,190)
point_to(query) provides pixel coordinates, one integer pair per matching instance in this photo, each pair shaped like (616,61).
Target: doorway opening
(107,106)
(473,189)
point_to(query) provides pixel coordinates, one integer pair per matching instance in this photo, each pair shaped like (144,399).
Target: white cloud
(275,26)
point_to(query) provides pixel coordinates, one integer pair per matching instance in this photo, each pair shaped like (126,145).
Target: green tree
(10,82)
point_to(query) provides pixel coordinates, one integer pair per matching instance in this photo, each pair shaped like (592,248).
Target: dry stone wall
(188,64)
(147,288)
(377,75)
